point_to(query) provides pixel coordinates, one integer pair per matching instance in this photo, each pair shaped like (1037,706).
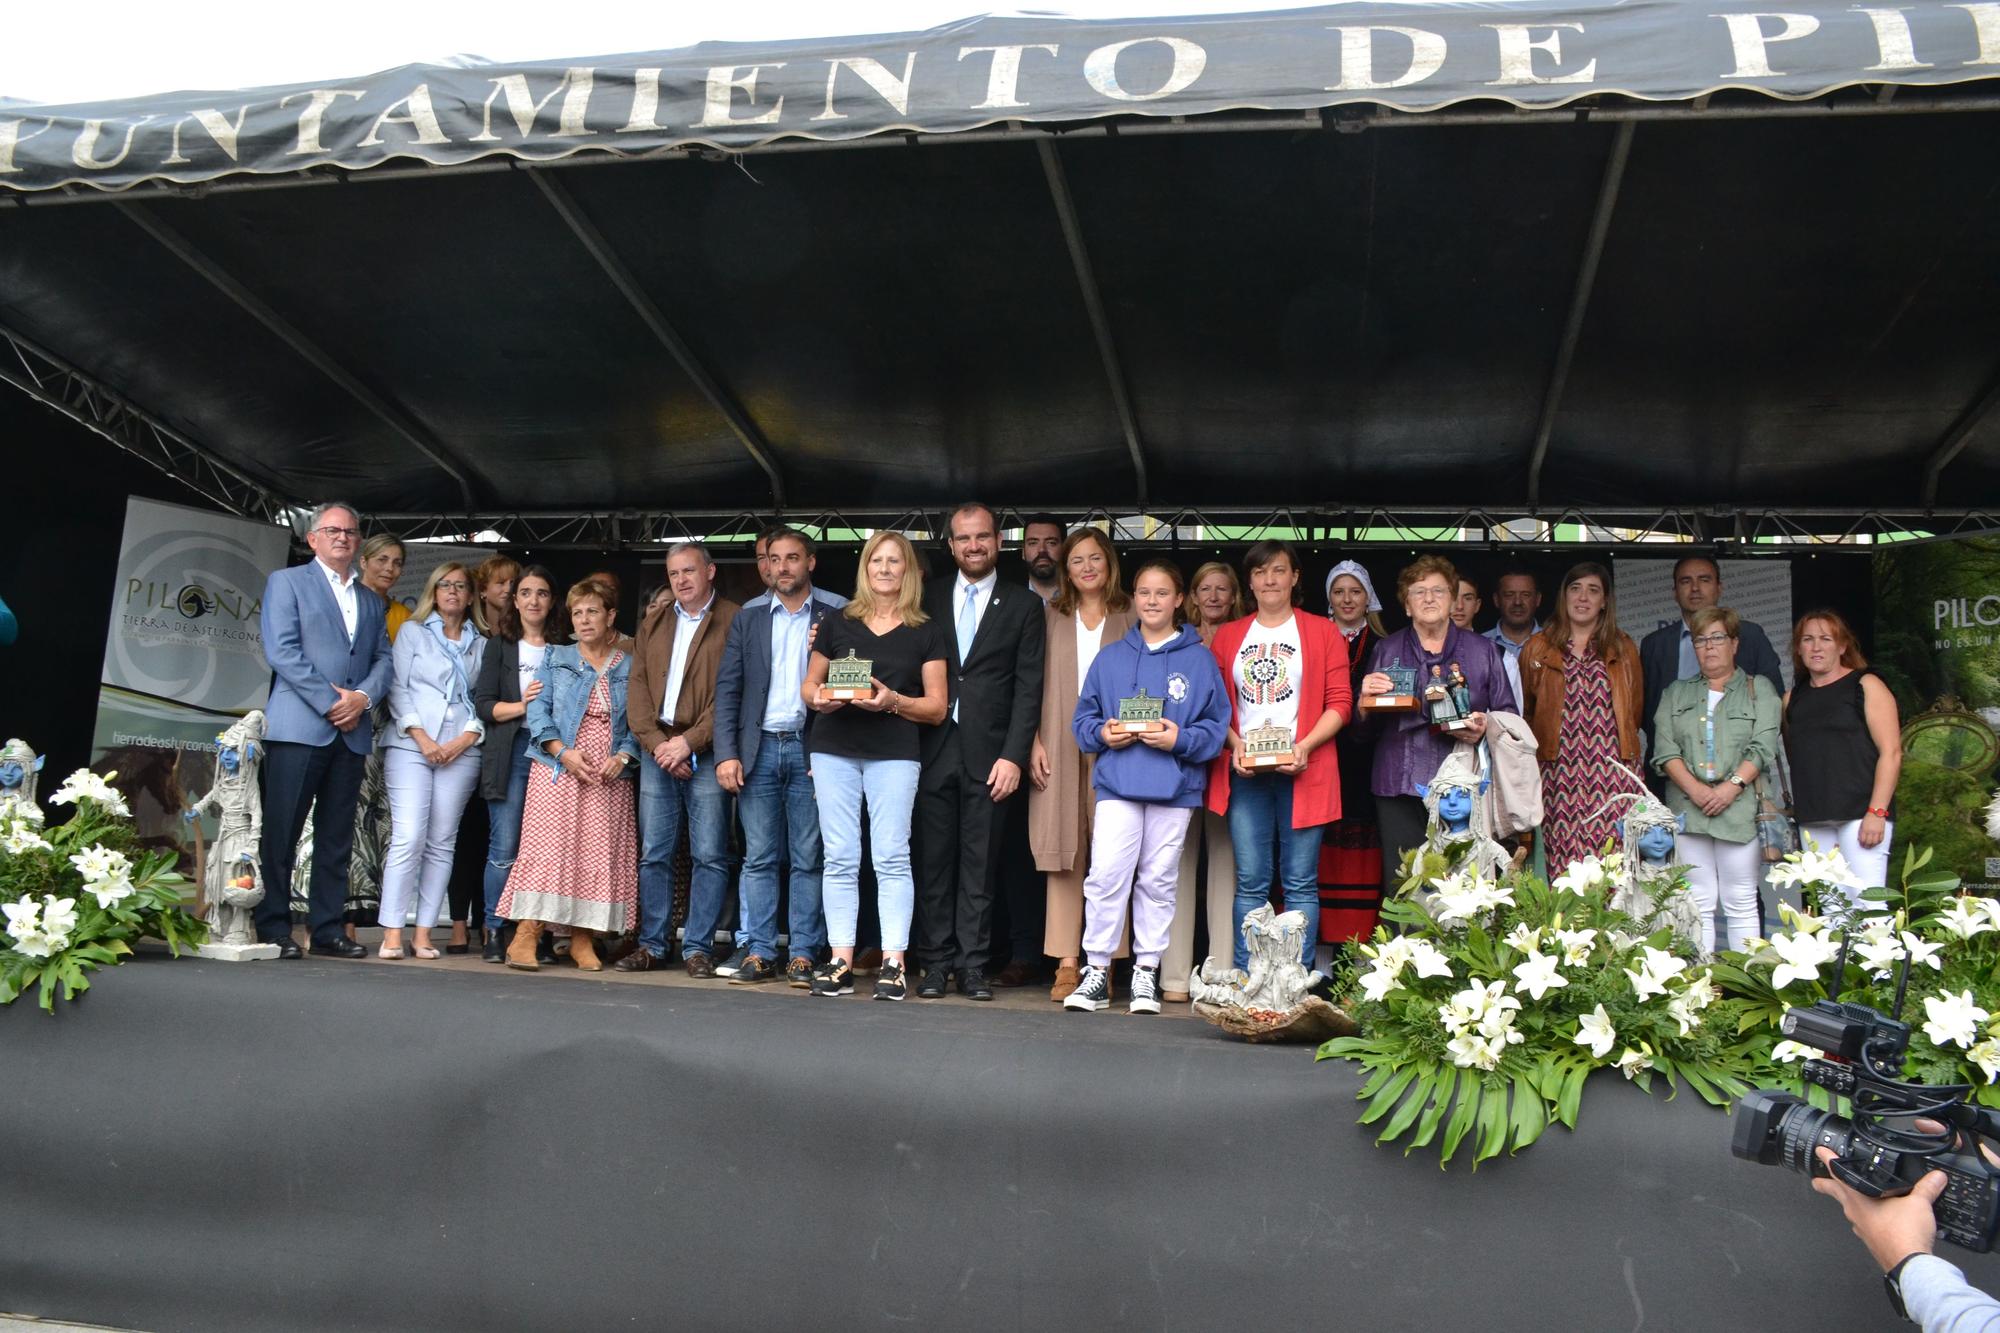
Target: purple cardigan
(1409,752)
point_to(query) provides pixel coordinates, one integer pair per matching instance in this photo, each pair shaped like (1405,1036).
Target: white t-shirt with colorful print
(1267,677)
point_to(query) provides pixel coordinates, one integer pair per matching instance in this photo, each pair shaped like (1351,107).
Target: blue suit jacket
(306,644)
(743,682)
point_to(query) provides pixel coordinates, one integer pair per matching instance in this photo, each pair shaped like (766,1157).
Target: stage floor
(322,1145)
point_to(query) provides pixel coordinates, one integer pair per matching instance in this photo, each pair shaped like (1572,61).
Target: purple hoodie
(1183,674)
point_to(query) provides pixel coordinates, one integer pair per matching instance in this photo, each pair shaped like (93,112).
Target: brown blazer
(654,657)
(1055,825)
(1542,683)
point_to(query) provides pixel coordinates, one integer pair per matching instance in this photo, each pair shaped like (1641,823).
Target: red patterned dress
(579,859)
(1585,773)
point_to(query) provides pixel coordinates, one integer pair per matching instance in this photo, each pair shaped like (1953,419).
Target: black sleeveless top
(1832,755)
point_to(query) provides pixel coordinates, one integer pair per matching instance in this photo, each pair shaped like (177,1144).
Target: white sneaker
(1093,992)
(1145,991)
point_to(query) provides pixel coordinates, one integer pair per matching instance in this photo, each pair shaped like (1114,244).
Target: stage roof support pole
(593,241)
(1958,437)
(1579,306)
(392,416)
(1093,302)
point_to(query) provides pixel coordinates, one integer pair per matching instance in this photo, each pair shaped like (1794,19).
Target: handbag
(1777,832)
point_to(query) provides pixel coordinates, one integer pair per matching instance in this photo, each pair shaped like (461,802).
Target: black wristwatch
(1892,1282)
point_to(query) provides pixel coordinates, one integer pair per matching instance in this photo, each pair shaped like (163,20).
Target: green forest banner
(1937,644)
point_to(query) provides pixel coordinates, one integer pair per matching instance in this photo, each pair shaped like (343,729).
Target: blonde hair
(1236,608)
(427,603)
(909,600)
(492,570)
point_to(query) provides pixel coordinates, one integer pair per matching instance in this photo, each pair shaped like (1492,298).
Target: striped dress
(1585,773)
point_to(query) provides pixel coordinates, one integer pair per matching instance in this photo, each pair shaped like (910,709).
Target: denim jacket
(557,712)
(1746,727)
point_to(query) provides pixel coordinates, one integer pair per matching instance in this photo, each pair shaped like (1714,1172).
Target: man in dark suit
(1667,654)
(325,639)
(760,757)
(972,762)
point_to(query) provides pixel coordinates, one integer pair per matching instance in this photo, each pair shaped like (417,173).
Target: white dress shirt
(684,632)
(343,593)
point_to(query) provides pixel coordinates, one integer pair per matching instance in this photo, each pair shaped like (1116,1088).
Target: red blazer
(1323,685)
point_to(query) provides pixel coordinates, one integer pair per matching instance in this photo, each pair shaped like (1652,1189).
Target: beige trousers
(1179,964)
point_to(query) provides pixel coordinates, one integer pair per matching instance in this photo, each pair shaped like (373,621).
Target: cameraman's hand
(1892,1229)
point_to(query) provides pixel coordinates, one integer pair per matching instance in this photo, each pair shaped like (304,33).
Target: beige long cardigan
(1055,814)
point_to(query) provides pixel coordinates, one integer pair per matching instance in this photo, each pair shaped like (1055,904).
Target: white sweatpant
(1725,872)
(1219,894)
(425,804)
(1135,857)
(1869,864)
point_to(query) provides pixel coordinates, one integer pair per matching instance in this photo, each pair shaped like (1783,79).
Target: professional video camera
(1880,1152)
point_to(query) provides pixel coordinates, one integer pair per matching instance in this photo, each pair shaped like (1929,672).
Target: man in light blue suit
(760,753)
(325,639)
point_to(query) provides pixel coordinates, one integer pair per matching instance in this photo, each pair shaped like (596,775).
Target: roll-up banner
(1937,645)
(184,654)
(1759,591)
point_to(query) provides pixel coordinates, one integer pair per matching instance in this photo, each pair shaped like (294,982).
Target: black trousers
(1403,822)
(301,780)
(1024,891)
(959,831)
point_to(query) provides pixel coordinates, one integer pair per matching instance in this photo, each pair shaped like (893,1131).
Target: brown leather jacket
(652,660)
(1542,683)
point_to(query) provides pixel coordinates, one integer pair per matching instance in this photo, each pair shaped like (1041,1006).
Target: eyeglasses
(348,533)
(454,585)
(1429,594)
(1711,641)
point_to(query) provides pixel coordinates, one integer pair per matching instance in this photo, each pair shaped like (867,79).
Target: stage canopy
(1640,259)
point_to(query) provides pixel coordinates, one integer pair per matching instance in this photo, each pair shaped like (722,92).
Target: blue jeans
(780,817)
(503,839)
(1260,821)
(891,788)
(670,804)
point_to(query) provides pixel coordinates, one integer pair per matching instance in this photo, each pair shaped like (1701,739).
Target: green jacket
(1746,727)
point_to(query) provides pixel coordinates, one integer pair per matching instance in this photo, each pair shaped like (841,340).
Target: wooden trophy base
(1137,728)
(1390,703)
(1278,760)
(846,694)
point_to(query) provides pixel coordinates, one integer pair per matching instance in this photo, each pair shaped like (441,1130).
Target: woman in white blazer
(431,754)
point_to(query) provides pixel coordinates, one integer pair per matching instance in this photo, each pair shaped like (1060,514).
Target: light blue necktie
(968,624)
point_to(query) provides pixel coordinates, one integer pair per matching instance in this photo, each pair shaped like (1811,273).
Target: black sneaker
(1093,992)
(754,968)
(834,978)
(972,984)
(931,987)
(730,966)
(889,983)
(1145,991)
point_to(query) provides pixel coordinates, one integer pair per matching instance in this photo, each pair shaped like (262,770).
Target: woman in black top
(1845,745)
(869,747)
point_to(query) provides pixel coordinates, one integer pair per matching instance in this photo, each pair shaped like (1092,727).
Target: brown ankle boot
(583,951)
(521,952)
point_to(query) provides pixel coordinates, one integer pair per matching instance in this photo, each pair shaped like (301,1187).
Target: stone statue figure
(1277,999)
(1653,889)
(20,774)
(233,882)
(1459,829)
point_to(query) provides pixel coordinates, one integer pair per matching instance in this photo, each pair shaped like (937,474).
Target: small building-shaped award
(1400,697)
(849,678)
(1141,713)
(1267,747)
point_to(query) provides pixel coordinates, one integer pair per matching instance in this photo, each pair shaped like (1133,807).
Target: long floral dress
(1585,774)
(579,859)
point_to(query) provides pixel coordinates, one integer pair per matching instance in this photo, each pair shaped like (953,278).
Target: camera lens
(1803,1128)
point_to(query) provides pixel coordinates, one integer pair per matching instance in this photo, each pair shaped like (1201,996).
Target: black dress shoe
(338,947)
(972,984)
(545,948)
(496,947)
(931,987)
(287,947)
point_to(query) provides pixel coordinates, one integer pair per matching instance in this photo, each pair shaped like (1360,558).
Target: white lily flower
(21,837)
(1469,1050)
(95,863)
(1429,960)
(1465,895)
(110,892)
(1801,957)
(1804,923)
(1595,1031)
(34,944)
(1576,945)
(1655,972)
(1988,908)
(1787,1051)
(84,785)
(1954,1019)
(1583,878)
(1523,938)
(1686,1015)
(1700,992)
(1877,955)
(59,915)
(1538,975)
(1624,943)
(1923,951)
(1987,1056)
(1964,919)
(1631,1062)
(1376,984)
(22,917)
(1812,866)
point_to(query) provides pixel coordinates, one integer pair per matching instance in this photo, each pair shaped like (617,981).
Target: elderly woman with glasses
(1713,734)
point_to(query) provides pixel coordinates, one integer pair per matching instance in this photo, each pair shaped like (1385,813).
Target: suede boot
(521,953)
(583,950)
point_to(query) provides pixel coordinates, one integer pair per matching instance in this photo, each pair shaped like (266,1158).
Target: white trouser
(1219,893)
(1135,857)
(1728,873)
(425,805)
(1869,864)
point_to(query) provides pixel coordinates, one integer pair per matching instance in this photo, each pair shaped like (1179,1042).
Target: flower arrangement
(1482,1020)
(1950,943)
(74,897)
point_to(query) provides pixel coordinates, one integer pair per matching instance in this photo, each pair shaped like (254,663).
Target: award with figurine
(849,678)
(1400,697)
(1140,713)
(1448,703)
(1267,747)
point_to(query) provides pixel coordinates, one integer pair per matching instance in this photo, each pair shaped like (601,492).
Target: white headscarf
(1360,576)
